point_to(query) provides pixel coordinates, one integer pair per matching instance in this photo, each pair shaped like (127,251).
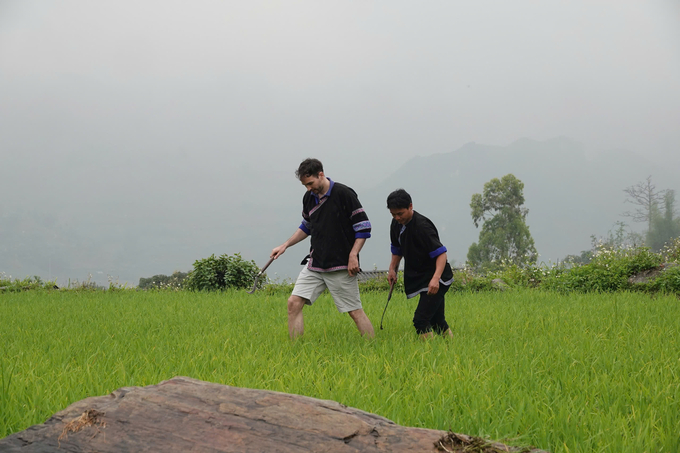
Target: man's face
(315,184)
(402,215)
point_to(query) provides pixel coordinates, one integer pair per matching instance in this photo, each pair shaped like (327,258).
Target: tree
(663,226)
(505,235)
(644,195)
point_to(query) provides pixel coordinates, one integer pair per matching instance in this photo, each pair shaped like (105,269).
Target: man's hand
(298,236)
(433,287)
(353,265)
(278,251)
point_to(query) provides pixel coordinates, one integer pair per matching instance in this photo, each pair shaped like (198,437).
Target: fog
(151,134)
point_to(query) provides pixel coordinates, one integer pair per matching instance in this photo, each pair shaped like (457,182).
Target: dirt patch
(90,417)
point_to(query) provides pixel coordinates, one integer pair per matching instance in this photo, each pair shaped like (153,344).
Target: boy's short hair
(399,199)
(309,167)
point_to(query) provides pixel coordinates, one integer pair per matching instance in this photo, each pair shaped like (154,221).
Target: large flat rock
(188,415)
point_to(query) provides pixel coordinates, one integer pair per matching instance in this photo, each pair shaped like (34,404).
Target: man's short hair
(309,167)
(399,199)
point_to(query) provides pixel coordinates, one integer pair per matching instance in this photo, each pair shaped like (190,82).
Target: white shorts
(343,287)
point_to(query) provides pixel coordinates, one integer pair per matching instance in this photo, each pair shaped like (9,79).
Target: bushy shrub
(7,284)
(381,284)
(465,279)
(219,273)
(667,282)
(556,278)
(527,276)
(671,251)
(608,270)
(477,284)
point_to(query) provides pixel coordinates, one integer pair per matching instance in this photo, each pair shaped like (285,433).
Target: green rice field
(565,373)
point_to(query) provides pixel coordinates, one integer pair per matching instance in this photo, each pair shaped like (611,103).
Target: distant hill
(570,195)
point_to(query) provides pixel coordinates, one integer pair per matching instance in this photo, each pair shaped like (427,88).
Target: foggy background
(139,136)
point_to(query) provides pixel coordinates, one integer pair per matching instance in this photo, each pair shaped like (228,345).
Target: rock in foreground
(184,414)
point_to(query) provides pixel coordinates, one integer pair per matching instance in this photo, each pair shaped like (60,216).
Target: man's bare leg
(296,324)
(363,323)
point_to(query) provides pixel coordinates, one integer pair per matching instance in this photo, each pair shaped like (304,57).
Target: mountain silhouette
(570,194)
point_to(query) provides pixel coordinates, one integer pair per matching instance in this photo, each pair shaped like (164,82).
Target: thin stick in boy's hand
(389,296)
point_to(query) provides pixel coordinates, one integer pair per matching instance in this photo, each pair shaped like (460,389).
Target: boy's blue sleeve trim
(437,252)
(362,235)
(395,250)
(305,229)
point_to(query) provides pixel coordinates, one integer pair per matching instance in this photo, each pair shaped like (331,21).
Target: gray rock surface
(184,414)
(499,284)
(650,274)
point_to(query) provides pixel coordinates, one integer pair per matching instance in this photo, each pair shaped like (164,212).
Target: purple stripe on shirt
(365,225)
(321,202)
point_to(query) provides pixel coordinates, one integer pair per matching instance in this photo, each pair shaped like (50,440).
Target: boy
(426,270)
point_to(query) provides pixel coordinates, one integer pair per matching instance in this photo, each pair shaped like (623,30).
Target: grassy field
(578,373)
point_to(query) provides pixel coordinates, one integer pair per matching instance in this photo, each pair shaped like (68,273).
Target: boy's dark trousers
(429,315)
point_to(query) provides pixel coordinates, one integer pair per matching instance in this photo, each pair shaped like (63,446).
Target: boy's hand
(391,277)
(433,287)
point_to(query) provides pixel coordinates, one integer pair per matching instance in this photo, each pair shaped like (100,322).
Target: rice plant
(567,373)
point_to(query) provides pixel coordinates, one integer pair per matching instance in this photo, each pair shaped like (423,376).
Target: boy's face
(402,215)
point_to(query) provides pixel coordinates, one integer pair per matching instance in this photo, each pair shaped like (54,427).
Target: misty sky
(142,99)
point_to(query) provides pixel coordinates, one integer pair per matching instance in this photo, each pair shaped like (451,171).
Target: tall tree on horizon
(505,235)
(664,226)
(644,195)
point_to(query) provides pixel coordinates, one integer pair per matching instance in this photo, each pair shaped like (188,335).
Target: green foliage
(219,273)
(278,288)
(671,251)
(478,284)
(584,258)
(173,282)
(668,281)
(609,270)
(664,225)
(505,236)
(380,284)
(520,276)
(7,284)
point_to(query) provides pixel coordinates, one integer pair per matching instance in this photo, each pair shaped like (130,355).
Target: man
(339,227)
(426,270)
